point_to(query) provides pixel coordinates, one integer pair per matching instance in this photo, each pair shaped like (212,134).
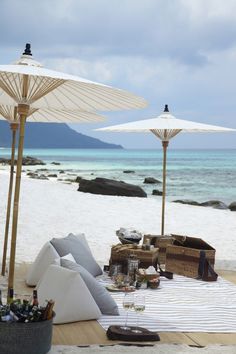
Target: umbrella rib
(106,94)
(46,88)
(6,85)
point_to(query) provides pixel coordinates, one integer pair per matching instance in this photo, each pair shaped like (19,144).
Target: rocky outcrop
(55,163)
(216,204)
(54,175)
(27,161)
(232,206)
(106,186)
(156,192)
(151,180)
(128,171)
(78,179)
(186,201)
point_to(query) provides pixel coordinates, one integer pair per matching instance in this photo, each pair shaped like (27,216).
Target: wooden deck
(90,332)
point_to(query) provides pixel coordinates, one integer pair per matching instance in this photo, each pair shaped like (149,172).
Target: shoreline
(49,209)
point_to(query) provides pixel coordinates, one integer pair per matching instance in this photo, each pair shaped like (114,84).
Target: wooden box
(182,257)
(120,253)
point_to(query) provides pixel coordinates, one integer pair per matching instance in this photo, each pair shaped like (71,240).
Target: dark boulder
(110,187)
(156,192)
(78,179)
(128,171)
(26,161)
(54,175)
(216,204)
(151,180)
(55,163)
(232,206)
(186,201)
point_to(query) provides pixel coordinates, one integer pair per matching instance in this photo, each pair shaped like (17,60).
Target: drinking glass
(139,306)
(128,303)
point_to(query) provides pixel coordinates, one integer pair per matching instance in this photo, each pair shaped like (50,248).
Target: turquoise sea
(191,174)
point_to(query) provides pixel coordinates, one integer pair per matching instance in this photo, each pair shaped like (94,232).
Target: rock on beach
(107,186)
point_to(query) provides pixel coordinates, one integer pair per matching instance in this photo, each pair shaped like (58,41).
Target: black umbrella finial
(27,49)
(166,108)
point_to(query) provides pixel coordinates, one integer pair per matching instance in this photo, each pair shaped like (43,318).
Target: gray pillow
(101,296)
(77,245)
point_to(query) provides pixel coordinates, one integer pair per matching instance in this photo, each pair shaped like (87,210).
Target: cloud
(179,52)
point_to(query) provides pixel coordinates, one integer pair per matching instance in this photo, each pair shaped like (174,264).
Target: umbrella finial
(166,108)
(27,49)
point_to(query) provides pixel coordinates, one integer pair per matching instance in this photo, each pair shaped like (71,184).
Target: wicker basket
(25,338)
(183,257)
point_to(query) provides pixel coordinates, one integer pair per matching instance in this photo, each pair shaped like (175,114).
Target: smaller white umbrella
(165,127)
(10,114)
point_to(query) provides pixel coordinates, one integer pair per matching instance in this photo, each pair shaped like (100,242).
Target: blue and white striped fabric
(182,305)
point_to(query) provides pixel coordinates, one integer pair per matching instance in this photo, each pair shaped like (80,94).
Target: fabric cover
(102,297)
(68,256)
(77,245)
(46,256)
(73,301)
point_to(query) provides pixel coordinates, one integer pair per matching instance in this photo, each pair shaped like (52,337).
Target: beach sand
(54,209)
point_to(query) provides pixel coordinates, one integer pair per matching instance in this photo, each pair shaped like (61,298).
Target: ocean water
(191,174)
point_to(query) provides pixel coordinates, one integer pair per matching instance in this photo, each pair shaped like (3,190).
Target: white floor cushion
(73,301)
(46,256)
(103,299)
(77,245)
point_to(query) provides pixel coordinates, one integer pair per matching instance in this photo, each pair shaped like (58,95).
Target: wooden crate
(120,253)
(182,257)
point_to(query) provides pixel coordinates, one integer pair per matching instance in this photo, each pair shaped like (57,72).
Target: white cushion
(100,294)
(46,256)
(67,257)
(73,301)
(77,245)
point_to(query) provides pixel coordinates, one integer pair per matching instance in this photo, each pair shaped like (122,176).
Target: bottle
(35,298)
(48,312)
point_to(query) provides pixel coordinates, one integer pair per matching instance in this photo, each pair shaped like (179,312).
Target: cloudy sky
(180,52)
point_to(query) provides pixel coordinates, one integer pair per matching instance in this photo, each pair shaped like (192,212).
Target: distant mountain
(53,135)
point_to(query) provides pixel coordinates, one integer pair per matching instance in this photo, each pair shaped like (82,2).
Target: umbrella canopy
(165,127)
(44,88)
(30,86)
(50,115)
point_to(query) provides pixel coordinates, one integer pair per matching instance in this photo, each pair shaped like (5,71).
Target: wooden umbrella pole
(164,145)
(14,127)
(23,112)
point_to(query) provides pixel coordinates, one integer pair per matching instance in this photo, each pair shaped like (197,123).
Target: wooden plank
(90,332)
(203,339)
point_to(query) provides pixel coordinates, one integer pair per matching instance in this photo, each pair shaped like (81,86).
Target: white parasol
(165,127)
(28,85)
(35,115)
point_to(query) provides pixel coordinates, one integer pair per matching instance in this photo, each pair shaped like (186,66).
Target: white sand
(53,209)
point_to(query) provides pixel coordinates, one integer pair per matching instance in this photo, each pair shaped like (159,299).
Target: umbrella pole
(23,112)
(164,145)
(14,127)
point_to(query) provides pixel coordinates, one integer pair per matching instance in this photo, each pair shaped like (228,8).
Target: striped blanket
(182,305)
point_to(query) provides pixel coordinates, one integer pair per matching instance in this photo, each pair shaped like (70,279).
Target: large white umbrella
(165,127)
(35,115)
(29,85)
